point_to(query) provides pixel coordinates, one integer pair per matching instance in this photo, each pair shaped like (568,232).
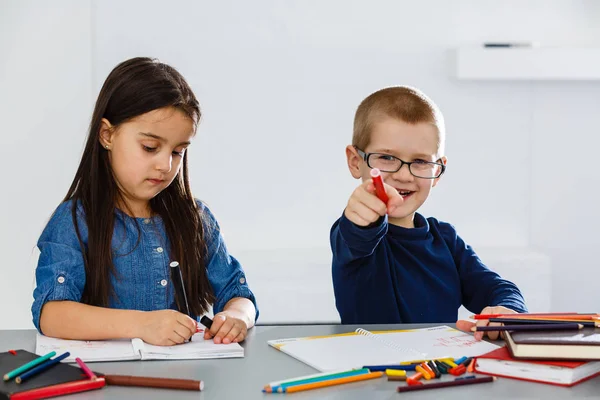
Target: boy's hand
(166,327)
(364,207)
(467,325)
(226,329)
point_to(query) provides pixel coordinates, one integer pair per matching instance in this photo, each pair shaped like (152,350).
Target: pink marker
(378,183)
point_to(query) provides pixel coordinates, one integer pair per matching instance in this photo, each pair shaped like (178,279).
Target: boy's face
(408,142)
(146,153)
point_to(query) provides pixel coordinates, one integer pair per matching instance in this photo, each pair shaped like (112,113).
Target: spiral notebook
(361,347)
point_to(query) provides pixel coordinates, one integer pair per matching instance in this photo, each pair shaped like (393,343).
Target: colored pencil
(42,367)
(144,381)
(85,368)
(535,327)
(330,382)
(590,324)
(59,390)
(549,315)
(375,368)
(456,382)
(315,378)
(29,365)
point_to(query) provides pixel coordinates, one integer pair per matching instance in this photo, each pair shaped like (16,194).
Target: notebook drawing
(361,347)
(136,349)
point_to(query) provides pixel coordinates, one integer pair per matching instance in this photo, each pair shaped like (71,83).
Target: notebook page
(88,351)
(439,341)
(344,352)
(198,348)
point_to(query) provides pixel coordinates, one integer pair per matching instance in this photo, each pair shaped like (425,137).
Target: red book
(562,373)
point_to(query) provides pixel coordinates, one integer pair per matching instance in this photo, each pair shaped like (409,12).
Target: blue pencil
(375,368)
(42,367)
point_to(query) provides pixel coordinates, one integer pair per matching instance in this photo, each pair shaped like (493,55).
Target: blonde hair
(400,102)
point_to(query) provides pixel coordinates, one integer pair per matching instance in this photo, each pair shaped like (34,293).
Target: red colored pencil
(378,183)
(60,389)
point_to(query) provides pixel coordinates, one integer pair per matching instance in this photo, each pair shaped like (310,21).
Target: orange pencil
(331,382)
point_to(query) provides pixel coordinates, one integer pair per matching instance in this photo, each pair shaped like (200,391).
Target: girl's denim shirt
(141,260)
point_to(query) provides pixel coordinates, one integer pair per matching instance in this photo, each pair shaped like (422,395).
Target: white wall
(45,104)
(278,83)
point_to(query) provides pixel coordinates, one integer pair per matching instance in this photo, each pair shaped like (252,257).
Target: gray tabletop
(243,378)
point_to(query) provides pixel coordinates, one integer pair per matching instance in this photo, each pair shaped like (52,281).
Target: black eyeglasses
(388,163)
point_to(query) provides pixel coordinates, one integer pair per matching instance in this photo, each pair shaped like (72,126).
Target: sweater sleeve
(350,242)
(481,287)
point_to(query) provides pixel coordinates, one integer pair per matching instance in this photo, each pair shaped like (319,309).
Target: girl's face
(146,153)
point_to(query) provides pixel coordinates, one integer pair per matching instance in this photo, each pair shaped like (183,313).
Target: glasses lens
(426,170)
(384,162)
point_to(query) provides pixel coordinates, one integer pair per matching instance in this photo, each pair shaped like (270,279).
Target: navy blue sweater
(389,274)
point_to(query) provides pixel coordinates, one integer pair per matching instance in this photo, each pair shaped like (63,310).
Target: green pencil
(29,365)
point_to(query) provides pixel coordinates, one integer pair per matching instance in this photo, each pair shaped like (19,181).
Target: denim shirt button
(61,279)
(146,221)
(242,280)
(163,282)
(159,249)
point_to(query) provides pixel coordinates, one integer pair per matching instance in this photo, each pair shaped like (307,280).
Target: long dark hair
(133,88)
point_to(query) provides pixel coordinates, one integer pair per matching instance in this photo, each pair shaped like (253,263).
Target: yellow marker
(395,372)
(450,362)
(423,372)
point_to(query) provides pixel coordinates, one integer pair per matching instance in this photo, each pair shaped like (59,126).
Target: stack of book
(557,348)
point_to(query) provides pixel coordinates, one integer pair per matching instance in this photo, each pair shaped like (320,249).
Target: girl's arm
(73,320)
(231,325)
(241,308)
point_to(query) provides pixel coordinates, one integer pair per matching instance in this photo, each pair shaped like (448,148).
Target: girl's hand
(166,327)
(467,325)
(364,207)
(226,328)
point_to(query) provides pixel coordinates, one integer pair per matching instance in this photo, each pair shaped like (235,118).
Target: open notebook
(360,348)
(136,349)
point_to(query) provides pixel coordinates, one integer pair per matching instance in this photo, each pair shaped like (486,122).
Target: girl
(103,271)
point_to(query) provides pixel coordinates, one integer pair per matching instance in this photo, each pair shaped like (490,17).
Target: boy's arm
(482,287)
(350,242)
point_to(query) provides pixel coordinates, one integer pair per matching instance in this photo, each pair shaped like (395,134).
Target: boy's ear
(354,160)
(106,133)
(444,161)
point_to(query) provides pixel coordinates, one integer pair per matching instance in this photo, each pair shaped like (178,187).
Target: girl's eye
(149,149)
(178,153)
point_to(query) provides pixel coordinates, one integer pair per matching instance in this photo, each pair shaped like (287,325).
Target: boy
(391,264)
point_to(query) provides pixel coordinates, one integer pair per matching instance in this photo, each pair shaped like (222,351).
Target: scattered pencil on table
(28,366)
(291,388)
(85,368)
(273,387)
(534,327)
(41,367)
(13,352)
(144,381)
(470,380)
